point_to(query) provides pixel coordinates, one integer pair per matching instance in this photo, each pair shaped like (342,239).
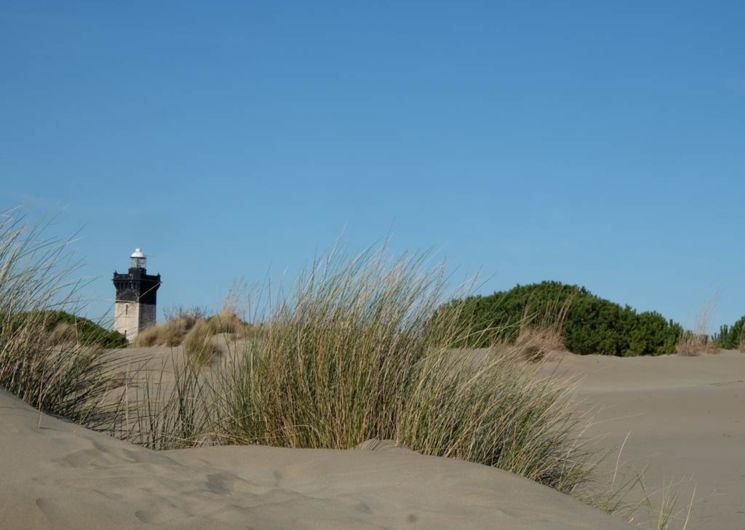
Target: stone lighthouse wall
(131,317)
(127,319)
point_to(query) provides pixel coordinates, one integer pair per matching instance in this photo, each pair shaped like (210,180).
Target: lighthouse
(135,297)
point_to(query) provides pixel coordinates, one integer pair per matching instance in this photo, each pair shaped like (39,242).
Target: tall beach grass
(359,352)
(47,368)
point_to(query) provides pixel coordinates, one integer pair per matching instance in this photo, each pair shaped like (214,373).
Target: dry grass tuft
(538,333)
(171,413)
(692,344)
(534,343)
(199,343)
(180,324)
(358,353)
(51,372)
(172,332)
(696,342)
(227,322)
(149,336)
(499,412)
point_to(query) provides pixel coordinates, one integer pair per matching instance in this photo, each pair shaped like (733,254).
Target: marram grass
(46,369)
(359,352)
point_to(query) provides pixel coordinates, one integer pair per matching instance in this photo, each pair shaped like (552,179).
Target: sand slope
(686,418)
(57,475)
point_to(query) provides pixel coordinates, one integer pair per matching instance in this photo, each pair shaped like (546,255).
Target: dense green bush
(81,330)
(730,337)
(589,324)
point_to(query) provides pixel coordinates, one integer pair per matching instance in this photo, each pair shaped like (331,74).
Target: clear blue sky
(599,143)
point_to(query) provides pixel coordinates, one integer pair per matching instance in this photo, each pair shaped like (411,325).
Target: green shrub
(590,324)
(731,337)
(86,332)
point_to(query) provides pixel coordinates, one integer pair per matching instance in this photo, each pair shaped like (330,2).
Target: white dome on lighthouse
(137,259)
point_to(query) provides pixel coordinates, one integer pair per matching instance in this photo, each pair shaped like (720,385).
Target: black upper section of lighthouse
(136,286)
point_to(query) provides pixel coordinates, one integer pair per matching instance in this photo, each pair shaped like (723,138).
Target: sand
(685,417)
(62,476)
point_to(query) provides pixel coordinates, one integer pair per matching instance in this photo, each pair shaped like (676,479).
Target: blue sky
(599,143)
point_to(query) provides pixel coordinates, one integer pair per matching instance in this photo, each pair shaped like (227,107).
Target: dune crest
(59,475)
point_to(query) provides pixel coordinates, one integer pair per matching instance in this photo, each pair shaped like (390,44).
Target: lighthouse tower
(135,297)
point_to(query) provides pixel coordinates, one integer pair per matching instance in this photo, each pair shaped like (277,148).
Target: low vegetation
(590,324)
(732,337)
(534,342)
(172,332)
(179,325)
(691,344)
(360,351)
(199,343)
(38,363)
(63,327)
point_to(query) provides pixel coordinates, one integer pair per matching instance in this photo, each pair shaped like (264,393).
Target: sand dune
(685,417)
(58,475)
